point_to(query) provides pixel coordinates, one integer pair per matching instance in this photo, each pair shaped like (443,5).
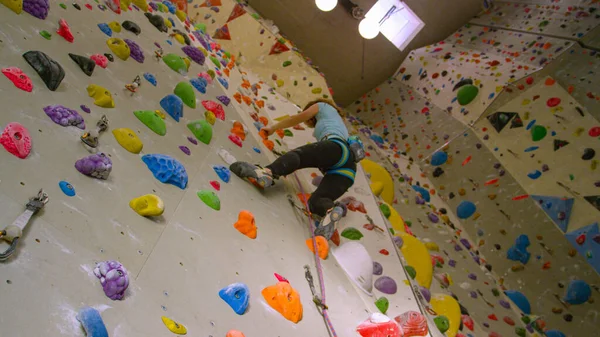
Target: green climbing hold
(352,233)
(544,23)
(295,83)
(325,96)
(442,323)
(392,231)
(288,133)
(466,94)
(526,319)
(185,91)
(571,177)
(495,292)
(287,63)
(408,223)
(278,142)
(227,55)
(538,133)
(520,332)
(210,199)
(201,27)
(202,130)
(382,304)
(152,120)
(63,6)
(176,63)
(216,62)
(211,73)
(256,16)
(411,272)
(401,179)
(385,210)
(46,35)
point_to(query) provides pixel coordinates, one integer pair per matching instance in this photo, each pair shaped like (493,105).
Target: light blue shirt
(329,123)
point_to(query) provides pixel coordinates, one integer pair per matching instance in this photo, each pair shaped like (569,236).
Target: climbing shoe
(327,225)
(247,170)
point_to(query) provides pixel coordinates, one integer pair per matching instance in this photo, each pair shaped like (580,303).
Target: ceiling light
(368,28)
(326,5)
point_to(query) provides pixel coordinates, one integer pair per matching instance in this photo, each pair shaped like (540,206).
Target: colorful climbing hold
(210,198)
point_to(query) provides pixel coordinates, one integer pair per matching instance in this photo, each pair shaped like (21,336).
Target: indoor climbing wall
(532,210)
(134,122)
(240,30)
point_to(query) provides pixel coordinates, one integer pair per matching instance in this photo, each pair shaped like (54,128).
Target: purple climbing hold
(192,140)
(426,293)
(113,278)
(452,263)
(433,218)
(386,285)
(195,54)
(473,294)
(224,99)
(64,116)
(457,248)
(472,276)
(136,52)
(504,304)
(96,166)
(398,242)
(377,268)
(37,8)
(185,150)
(85,108)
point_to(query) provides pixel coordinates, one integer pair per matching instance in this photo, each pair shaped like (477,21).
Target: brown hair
(326,101)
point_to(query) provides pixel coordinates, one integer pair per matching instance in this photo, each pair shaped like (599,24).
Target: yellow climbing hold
(160,114)
(115,26)
(317,91)
(180,15)
(417,256)
(173,326)
(179,38)
(14,5)
(187,62)
(168,23)
(142,4)
(432,246)
(379,174)
(125,5)
(210,117)
(119,48)
(148,205)
(102,97)
(128,140)
(280,83)
(377,188)
(447,306)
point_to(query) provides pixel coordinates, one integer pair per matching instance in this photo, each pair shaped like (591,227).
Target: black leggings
(322,155)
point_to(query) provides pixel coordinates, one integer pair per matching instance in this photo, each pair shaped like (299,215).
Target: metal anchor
(90,138)
(13,232)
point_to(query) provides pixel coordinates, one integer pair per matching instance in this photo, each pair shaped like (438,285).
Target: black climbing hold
(77,6)
(568,317)
(500,119)
(462,83)
(559,144)
(86,65)
(132,27)
(561,285)
(184,35)
(444,73)
(588,154)
(451,195)
(49,70)
(157,21)
(497,246)
(109,57)
(443,211)
(438,172)
(463,310)
(488,267)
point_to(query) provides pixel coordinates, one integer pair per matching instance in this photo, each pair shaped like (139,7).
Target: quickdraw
(90,138)
(316,299)
(13,232)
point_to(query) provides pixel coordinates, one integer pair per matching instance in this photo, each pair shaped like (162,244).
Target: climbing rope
(319,301)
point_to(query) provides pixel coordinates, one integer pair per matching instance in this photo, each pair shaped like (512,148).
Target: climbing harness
(321,304)
(13,232)
(90,138)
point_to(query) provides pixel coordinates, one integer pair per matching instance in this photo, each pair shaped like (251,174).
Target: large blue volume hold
(173,105)
(237,295)
(518,251)
(92,322)
(166,169)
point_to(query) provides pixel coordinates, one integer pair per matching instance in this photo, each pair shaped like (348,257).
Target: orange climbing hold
(238,97)
(303,197)
(280,133)
(246,224)
(269,144)
(263,120)
(260,103)
(335,238)
(285,299)
(238,130)
(234,333)
(322,246)
(550,81)
(247,100)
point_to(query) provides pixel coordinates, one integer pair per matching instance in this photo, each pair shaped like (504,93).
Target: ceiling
(332,41)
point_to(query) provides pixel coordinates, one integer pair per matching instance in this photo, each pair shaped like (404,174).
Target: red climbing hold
(384,252)
(18,78)
(529,80)
(521,197)
(215,185)
(88,6)
(509,321)
(64,31)
(235,139)
(114,5)
(594,132)
(493,317)
(215,108)
(554,101)
(580,239)
(16,140)
(491,182)
(100,60)
(466,161)
(335,238)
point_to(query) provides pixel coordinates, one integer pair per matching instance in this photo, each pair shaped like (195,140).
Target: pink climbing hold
(64,31)
(235,139)
(281,278)
(554,101)
(100,60)
(215,108)
(18,78)
(16,140)
(215,185)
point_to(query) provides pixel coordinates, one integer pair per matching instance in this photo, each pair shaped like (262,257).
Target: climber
(334,153)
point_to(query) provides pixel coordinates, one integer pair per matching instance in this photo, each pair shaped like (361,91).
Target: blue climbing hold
(578,292)
(534,174)
(258,125)
(224,82)
(377,139)
(92,322)
(257,150)
(199,83)
(67,188)
(173,105)
(554,333)
(223,172)
(439,158)
(166,169)
(424,192)
(105,29)
(519,300)
(531,148)
(169,42)
(150,78)
(530,125)
(465,209)
(518,251)
(237,295)
(172,8)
